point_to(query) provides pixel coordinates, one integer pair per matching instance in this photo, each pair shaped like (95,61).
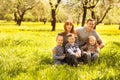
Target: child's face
(60,40)
(69,27)
(71,39)
(92,41)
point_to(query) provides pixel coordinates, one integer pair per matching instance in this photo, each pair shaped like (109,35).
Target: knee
(95,56)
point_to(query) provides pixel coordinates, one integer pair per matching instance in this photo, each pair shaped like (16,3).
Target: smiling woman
(68,28)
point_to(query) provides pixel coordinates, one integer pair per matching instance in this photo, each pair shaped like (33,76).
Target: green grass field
(25,54)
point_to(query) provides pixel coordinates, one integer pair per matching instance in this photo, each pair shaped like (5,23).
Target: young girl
(72,50)
(91,48)
(58,51)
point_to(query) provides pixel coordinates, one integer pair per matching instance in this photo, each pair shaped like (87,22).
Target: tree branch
(58,2)
(105,13)
(50,3)
(93,6)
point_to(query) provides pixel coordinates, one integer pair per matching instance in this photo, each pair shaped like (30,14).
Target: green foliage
(9,17)
(28,17)
(25,54)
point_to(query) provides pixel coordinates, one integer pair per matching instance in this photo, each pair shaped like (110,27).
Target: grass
(25,54)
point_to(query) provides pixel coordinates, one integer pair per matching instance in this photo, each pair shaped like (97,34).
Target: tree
(6,9)
(93,5)
(74,10)
(41,12)
(53,13)
(21,7)
(87,5)
(99,14)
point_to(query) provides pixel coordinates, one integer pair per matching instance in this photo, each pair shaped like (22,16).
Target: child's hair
(96,44)
(70,35)
(58,36)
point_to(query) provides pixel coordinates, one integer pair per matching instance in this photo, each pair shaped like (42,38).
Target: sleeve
(98,50)
(54,54)
(77,30)
(78,50)
(77,38)
(70,51)
(99,40)
(67,48)
(56,57)
(84,48)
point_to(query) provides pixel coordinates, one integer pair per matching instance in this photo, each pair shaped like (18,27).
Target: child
(92,48)
(58,51)
(72,50)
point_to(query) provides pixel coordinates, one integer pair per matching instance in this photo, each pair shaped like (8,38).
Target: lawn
(25,54)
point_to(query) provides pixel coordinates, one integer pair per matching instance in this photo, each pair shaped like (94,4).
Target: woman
(68,28)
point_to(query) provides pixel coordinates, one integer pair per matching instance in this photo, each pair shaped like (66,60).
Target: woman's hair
(68,22)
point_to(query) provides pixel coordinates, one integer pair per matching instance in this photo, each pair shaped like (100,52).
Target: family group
(77,46)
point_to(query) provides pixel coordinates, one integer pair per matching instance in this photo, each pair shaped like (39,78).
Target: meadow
(25,54)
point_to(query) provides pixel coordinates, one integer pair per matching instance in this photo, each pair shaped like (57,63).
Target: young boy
(58,51)
(72,50)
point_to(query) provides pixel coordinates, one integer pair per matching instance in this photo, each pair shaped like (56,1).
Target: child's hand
(78,54)
(89,52)
(63,56)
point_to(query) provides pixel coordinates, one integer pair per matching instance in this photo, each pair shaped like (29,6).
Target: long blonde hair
(96,43)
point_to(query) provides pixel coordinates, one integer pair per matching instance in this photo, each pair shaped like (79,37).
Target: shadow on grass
(46,60)
(117,43)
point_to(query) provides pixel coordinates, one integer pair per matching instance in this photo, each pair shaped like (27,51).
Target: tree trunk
(20,18)
(19,22)
(84,15)
(78,19)
(53,22)
(15,16)
(93,17)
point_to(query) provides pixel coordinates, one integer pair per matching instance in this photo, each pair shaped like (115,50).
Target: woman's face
(90,25)
(69,27)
